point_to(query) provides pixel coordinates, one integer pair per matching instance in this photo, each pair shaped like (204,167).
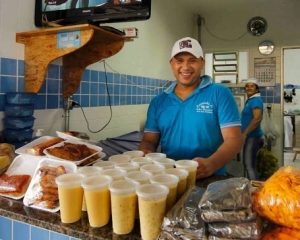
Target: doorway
(291,105)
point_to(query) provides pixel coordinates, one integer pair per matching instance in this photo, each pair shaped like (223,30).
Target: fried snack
(282,233)
(39,148)
(13,184)
(71,151)
(279,198)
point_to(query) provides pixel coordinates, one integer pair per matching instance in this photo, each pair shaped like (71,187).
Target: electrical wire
(220,38)
(109,103)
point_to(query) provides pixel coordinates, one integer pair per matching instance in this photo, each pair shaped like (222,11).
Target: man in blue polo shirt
(194,118)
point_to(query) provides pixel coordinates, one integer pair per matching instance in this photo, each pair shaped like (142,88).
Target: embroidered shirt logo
(204,107)
(185,44)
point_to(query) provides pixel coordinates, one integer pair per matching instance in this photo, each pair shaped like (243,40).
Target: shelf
(42,46)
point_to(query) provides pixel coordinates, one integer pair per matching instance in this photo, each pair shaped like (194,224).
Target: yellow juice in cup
(191,167)
(70,195)
(97,198)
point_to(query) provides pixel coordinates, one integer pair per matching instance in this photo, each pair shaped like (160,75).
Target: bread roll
(39,148)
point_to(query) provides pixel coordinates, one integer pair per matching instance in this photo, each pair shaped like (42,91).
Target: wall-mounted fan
(257,26)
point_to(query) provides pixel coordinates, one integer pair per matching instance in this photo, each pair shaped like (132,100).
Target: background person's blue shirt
(192,127)
(253,102)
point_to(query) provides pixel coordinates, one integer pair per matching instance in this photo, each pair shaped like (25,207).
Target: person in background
(252,115)
(194,118)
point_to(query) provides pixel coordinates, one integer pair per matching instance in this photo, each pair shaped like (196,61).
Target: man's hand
(205,168)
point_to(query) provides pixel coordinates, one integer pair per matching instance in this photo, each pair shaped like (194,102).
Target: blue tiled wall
(123,89)
(15,230)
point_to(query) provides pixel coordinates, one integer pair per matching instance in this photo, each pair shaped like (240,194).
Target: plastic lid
(152,191)
(168,180)
(69,180)
(87,171)
(96,182)
(153,168)
(130,166)
(167,162)
(181,173)
(104,164)
(141,160)
(119,158)
(134,153)
(156,155)
(188,164)
(122,187)
(116,174)
(138,176)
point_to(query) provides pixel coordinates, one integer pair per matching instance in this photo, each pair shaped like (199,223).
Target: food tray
(91,146)
(21,165)
(23,149)
(34,187)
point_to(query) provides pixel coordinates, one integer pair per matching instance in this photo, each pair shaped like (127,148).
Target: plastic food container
(13,135)
(20,97)
(18,110)
(18,122)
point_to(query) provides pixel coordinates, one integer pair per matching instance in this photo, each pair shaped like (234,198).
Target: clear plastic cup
(153,169)
(182,174)
(134,153)
(97,198)
(167,162)
(88,171)
(128,167)
(104,164)
(119,158)
(70,194)
(191,167)
(123,206)
(138,177)
(141,160)
(152,207)
(170,181)
(116,174)
(155,155)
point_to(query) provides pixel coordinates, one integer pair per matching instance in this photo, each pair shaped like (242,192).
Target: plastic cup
(170,181)
(128,167)
(116,174)
(138,177)
(191,167)
(123,206)
(141,161)
(155,155)
(119,158)
(182,174)
(104,164)
(70,194)
(97,198)
(134,153)
(167,162)
(152,169)
(88,171)
(152,207)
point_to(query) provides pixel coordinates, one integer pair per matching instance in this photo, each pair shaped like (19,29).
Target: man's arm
(226,152)
(149,142)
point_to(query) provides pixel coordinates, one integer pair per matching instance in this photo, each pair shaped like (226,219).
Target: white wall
(148,56)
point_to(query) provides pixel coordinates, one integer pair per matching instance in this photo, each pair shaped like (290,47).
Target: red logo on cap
(185,44)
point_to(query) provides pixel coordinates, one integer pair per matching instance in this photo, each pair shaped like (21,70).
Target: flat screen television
(69,12)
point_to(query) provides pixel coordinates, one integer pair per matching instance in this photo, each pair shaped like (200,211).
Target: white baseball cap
(189,45)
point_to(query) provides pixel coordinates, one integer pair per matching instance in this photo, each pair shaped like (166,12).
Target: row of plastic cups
(101,192)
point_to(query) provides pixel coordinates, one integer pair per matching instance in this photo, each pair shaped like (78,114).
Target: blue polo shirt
(192,127)
(253,102)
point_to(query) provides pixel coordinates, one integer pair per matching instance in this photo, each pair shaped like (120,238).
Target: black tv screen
(68,12)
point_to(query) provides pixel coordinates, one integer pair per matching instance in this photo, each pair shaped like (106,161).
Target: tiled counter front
(18,222)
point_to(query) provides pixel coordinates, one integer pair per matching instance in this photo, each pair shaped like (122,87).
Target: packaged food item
(279,198)
(6,156)
(38,148)
(13,184)
(237,230)
(227,200)
(183,221)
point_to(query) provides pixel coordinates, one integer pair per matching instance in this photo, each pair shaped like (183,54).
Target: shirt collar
(205,81)
(255,95)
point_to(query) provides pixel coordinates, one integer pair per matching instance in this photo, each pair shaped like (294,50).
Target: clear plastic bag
(279,198)
(183,221)
(227,200)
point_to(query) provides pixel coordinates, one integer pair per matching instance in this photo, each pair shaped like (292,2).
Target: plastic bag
(228,201)
(183,221)
(279,198)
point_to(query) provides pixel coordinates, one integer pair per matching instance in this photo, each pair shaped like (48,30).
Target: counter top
(15,209)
